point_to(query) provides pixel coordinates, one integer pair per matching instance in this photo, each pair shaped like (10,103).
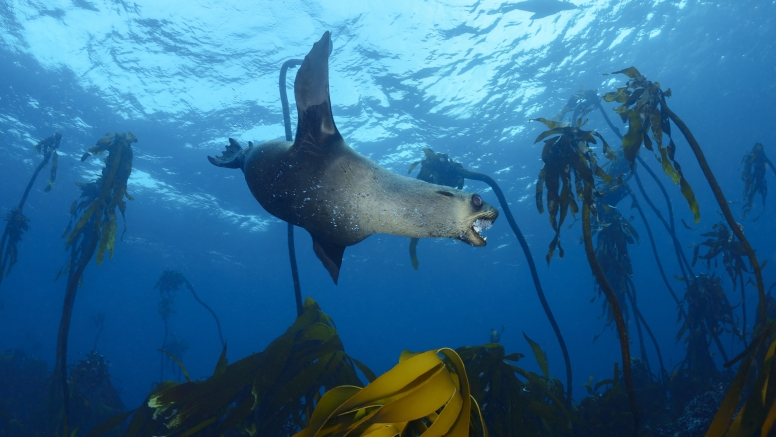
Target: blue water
(460,77)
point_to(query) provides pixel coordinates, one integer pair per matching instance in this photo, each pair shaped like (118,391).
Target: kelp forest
(591,185)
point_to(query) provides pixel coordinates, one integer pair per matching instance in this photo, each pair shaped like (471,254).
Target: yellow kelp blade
(422,387)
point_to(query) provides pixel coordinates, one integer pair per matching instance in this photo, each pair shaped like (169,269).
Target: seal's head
(470,214)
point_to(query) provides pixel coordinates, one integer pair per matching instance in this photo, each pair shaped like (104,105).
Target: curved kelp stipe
(16,222)
(439,169)
(567,153)
(92,228)
(287,125)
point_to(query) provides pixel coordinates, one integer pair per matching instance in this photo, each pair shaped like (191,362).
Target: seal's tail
(233,156)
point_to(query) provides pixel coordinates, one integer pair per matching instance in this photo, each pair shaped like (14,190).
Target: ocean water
(460,77)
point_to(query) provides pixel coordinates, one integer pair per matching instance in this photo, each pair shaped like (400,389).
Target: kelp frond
(16,221)
(424,394)
(269,393)
(100,198)
(568,159)
(642,106)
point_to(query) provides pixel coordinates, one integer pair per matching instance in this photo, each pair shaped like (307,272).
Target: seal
(340,197)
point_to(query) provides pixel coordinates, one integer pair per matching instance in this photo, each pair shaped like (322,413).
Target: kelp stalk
(16,221)
(615,306)
(207,307)
(632,296)
(94,231)
(529,258)
(723,205)
(287,124)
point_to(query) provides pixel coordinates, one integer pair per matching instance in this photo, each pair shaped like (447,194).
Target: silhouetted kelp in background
(16,222)
(92,229)
(168,285)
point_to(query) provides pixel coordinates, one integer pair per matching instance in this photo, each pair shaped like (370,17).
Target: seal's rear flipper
(330,255)
(233,156)
(315,130)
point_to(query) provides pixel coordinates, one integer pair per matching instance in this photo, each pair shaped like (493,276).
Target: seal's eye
(477,200)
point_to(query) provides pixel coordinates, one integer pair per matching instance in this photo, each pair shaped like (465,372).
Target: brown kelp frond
(16,221)
(708,312)
(424,394)
(612,243)
(15,227)
(646,115)
(758,415)
(100,198)
(268,393)
(723,242)
(753,174)
(438,168)
(48,149)
(567,152)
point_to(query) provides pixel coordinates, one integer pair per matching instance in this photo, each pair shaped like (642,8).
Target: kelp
(270,393)
(423,395)
(92,228)
(753,174)
(641,107)
(722,242)
(567,153)
(758,414)
(613,239)
(579,104)
(642,103)
(440,168)
(290,231)
(514,401)
(708,314)
(568,160)
(93,397)
(16,222)
(171,281)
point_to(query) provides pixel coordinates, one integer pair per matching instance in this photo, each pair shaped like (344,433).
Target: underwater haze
(463,78)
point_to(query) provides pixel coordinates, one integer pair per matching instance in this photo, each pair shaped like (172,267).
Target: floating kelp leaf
(178,362)
(541,357)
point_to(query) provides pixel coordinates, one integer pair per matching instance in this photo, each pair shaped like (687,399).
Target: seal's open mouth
(482,224)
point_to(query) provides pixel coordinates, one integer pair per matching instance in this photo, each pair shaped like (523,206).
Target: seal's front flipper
(316,131)
(330,255)
(233,155)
